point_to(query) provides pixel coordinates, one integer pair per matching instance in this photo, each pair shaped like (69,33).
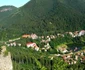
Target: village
(71,56)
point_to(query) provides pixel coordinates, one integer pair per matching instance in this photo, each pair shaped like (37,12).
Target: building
(32,45)
(34,36)
(82,32)
(26,36)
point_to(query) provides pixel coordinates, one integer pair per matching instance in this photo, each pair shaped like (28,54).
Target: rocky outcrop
(6,9)
(5,60)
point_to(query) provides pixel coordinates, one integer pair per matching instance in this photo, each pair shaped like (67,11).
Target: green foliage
(5,14)
(26,59)
(5,53)
(45,17)
(60,40)
(0,50)
(78,66)
(59,64)
(43,68)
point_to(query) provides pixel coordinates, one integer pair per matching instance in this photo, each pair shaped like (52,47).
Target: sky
(17,3)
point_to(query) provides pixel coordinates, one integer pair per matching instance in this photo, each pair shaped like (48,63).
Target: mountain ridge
(6,11)
(46,17)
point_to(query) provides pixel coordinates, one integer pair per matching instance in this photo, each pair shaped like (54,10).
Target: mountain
(6,11)
(46,17)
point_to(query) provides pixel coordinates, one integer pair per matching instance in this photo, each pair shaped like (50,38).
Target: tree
(59,64)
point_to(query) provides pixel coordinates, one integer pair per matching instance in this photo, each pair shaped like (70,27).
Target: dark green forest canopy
(46,17)
(5,11)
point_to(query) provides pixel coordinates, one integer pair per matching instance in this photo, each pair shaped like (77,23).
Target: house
(82,54)
(19,44)
(52,36)
(32,45)
(47,46)
(76,57)
(48,40)
(26,36)
(48,37)
(75,49)
(11,44)
(76,33)
(83,58)
(68,56)
(10,40)
(75,62)
(63,49)
(8,45)
(58,34)
(71,33)
(14,43)
(37,48)
(43,41)
(82,32)
(34,36)
(42,37)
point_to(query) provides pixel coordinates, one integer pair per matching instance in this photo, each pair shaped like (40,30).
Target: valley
(43,35)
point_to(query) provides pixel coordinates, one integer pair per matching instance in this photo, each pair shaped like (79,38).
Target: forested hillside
(45,34)
(46,17)
(5,11)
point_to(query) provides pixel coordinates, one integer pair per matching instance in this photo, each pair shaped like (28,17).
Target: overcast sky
(17,3)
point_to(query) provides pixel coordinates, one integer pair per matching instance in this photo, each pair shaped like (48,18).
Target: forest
(45,17)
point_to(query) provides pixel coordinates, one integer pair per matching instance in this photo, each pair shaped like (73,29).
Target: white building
(34,36)
(82,32)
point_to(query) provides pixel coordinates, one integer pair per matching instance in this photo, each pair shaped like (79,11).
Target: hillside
(5,11)
(45,17)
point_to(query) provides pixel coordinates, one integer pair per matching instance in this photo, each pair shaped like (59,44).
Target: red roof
(82,31)
(30,43)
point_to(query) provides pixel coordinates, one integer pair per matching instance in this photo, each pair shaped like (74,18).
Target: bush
(5,53)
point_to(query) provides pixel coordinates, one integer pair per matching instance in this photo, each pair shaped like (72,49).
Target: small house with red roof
(32,45)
